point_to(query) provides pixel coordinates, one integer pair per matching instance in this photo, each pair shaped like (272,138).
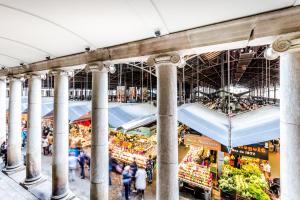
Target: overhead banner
(120,93)
(255,151)
(201,141)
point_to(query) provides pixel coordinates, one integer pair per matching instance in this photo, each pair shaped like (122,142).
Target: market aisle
(81,187)
(11,190)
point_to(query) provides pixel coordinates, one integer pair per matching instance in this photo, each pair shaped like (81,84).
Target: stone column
(33,150)
(60,170)
(99,153)
(290,126)
(167,139)
(2,109)
(14,155)
(287,47)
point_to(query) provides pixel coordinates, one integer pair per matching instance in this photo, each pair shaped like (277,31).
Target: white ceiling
(33,29)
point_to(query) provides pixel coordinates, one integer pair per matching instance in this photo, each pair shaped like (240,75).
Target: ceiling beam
(221,36)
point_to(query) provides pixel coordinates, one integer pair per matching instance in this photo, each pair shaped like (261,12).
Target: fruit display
(190,171)
(80,136)
(127,147)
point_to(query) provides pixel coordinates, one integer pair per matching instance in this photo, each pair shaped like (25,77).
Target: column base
(13,169)
(29,183)
(66,196)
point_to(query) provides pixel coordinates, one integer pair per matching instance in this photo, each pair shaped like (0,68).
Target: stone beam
(254,30)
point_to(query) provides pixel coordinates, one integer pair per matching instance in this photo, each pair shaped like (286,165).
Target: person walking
(140,181)
(81,161)
(45,145)
(133,168)
(149,169)
(110,168)
(50,143)
(126,177)
(72,166)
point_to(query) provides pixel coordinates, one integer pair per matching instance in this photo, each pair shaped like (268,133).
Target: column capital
(41,75)
(283,44)
(62,72)
(4,71)
(3,78)
(171,58)
(20,77)
(96,67)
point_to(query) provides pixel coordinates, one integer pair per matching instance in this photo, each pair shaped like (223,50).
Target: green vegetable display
(246,182)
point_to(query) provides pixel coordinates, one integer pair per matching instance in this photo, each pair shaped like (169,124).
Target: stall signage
(201,141)
(256,151)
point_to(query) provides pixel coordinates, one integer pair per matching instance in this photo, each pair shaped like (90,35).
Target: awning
(205,121)
(139,122)
(247,128)
(76,109)
(120,115)
(128,114)
(256,126)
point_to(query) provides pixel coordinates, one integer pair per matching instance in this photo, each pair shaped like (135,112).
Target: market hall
(97,97)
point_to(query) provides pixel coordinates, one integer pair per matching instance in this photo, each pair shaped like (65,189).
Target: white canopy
(29,28)
(247,128)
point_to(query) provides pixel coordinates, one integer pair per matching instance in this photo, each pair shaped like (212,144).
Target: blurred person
(81,161)
(149,169)
(50,143)
(45,146)
(126,177)
(72,166)
(133,168)
(140,181)
(110,167)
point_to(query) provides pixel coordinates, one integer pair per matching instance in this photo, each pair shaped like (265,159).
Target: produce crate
(228,195)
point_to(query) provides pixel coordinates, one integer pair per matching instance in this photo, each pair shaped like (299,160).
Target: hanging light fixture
(182,63)
(270,54)
(112,69)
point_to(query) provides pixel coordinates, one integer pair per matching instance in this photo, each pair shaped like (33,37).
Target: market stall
(198,169)
(127,147)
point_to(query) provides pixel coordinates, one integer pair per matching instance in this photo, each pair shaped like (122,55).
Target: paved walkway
(10,190)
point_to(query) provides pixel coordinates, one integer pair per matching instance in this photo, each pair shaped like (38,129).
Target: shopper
(81,161)
(72,166)
(126,177)
(45,145)
(140,181)
(50,143)
(24,136)
(267,170)
(110,168)
(133,168)
(149,169)
(4,153)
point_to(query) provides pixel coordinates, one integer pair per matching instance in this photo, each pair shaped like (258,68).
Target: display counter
(193,173)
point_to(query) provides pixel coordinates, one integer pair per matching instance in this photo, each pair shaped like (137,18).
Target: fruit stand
(193,173)
(126,147)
